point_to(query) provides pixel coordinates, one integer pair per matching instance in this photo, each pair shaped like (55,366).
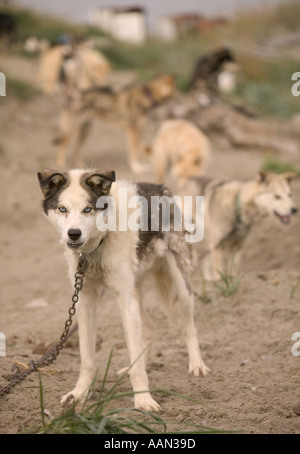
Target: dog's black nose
(294,210)
(74,234)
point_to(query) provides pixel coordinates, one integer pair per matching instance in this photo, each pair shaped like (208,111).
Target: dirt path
(245,339)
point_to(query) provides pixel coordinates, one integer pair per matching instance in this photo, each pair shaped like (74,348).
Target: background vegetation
(266,80)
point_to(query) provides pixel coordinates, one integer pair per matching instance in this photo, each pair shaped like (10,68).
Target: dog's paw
(68,400)
(145,402)
(200,369)
(77,396)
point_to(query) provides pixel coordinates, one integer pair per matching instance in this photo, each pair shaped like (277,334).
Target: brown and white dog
(67,69)
(182,147)
(127,109)
(120,259)
(231,209)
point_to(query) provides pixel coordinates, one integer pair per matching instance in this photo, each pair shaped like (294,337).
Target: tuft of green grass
(294,288)
(99,418)
(41,398)
(229,283)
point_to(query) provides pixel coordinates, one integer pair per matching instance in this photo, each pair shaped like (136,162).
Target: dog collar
(82,259)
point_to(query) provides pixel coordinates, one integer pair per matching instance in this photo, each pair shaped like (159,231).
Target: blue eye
(62,209)
(87,209)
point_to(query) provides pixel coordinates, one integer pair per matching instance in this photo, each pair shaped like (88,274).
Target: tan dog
(181,146)
(231,209)
(126,109)
(67,69)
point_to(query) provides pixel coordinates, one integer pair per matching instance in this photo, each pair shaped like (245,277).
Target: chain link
(50,356)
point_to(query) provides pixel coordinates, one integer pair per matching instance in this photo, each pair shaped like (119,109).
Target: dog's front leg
(64,138)
(86,315)
(134,132)
(131,318)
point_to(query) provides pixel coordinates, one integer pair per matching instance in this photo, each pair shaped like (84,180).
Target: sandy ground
(245,339)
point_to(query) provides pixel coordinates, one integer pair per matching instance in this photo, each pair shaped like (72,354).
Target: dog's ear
(290,176)
(100,181)
(51,181)
(262,177)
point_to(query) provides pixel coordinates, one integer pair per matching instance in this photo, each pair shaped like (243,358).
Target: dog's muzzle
(74,235)
(286,218)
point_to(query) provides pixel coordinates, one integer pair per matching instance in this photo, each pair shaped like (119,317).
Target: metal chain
(50,356)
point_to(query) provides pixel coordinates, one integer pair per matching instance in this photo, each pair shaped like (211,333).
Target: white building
(166,29)
(170,28)
(122,23)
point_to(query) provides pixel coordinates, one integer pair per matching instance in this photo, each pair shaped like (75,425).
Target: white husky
(231,209)
(120,261)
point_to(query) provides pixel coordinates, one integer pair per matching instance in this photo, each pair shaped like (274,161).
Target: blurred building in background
(130,24)
(170,28)
(122,23)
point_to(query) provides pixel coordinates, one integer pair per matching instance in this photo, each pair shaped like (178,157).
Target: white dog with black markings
(120,261)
